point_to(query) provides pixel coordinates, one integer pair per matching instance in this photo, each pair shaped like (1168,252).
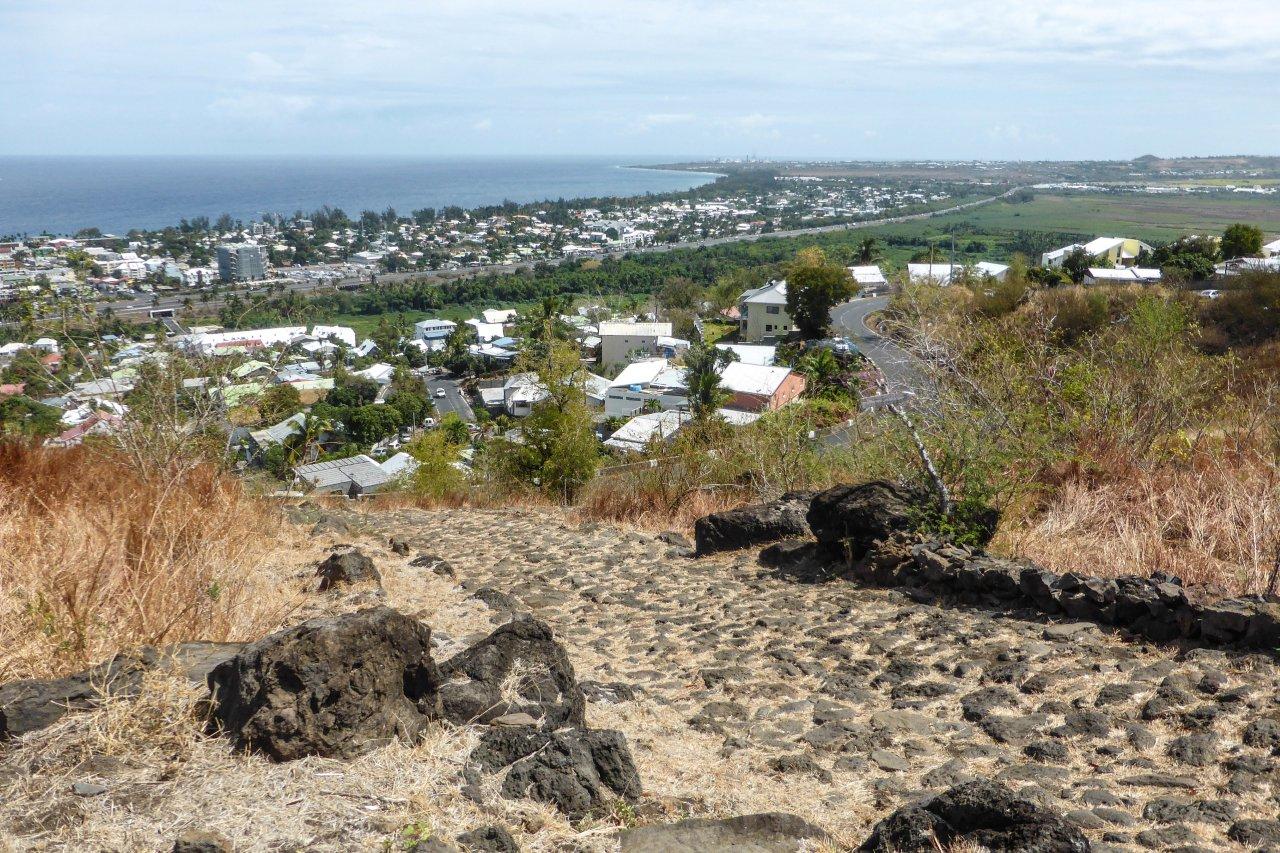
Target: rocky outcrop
(859,516)
(574,770)
(334,686)
(1156,607)
(519,668)
(32,704)
(753,525)
(984,814)
(347,566)
(488,839)
(759,833)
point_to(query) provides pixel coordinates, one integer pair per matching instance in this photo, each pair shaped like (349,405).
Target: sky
(851,79)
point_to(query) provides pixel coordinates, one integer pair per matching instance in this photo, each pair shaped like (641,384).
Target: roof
(596,386)
(1124,274)
(751,353)
(401,463)
(498,315)
(636,433)
(277,433)
(753,379)
(640,372)
(635,330)
(773,293)
(339,474)
(865,275)
(990,268)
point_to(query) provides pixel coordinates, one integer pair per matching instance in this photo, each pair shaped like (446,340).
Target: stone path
(868,699)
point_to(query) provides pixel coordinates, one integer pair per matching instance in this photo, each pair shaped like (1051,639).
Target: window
(768,327)
(772,309)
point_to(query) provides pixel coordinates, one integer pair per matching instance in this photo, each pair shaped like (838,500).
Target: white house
(521,392)
(1120,251)
(433,333)
(762,312)
(761,354)
(636,434)
(342,334)
(486,332)
(943,274)
(210,343)
(1272,249)
(500,316)
(629,391)
(619,342)
(1122,275)
(868,277)
(380,373)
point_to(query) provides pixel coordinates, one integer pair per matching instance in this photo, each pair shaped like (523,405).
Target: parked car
(440,392)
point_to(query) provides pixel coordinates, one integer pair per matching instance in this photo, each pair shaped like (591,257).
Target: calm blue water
(64,194)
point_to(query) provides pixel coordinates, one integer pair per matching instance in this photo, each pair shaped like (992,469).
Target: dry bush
(98,553)
(1214,523)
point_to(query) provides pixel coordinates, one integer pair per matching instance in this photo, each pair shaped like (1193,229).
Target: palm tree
(822,372)
(869,251)
(304,443)
(702,376)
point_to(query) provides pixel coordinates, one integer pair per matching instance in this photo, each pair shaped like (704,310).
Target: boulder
(489,839)
(772,832)
(574,770)
(757,524)
(347,566)
(476,683)
(34,703)
(983,814)
(437,565)
(862,515)
(335,686)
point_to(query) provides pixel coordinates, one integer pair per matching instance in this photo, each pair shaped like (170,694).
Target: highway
(139,308)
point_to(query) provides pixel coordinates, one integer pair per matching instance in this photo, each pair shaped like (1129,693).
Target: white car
(439,392)
(1210,294)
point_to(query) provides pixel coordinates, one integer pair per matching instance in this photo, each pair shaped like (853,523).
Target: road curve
(901,370)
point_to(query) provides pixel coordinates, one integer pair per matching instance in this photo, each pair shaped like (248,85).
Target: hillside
(739,690)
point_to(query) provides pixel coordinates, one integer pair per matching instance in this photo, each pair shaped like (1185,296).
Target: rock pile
(867,532)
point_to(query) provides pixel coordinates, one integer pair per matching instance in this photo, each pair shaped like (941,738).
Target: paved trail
(855,700)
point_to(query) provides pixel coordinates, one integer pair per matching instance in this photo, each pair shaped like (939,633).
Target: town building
(621,343)
(762,313)
(758,389)
(1118,251)
(241,262)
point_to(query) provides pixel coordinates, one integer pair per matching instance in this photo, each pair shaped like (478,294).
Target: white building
(1122,275)
(1120,251)
(433,333)
(210,343)
(868,277)
(761,354)
(342,334)
(621,342)
(498,315)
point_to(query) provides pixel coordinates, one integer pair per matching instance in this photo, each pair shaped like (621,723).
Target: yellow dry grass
(97,555)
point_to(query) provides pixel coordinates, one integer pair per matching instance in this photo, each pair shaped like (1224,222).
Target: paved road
(902,371)
(139,308)
(454,399)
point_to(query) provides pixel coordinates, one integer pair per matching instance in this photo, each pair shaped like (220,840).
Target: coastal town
(326,247)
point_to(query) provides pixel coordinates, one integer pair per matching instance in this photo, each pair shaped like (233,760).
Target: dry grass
(97,555)
(1215,523)
(646,502)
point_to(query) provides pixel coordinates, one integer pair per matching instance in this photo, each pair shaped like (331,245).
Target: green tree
(1077,263)
(437,476)
(815,285)
(702,376)
(368,424)
(556,450)
(822,373)
(279,402)
(23,417)
(1241,241)
(869,251)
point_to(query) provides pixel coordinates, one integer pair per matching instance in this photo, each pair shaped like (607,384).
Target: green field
(1154,219)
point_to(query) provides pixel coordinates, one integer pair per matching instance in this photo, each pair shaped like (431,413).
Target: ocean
(61,195)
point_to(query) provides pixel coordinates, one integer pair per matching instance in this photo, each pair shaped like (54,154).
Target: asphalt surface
(454,399)
(139,308)
(901,370)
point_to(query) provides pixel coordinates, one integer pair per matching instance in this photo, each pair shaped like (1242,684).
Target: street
(454,399)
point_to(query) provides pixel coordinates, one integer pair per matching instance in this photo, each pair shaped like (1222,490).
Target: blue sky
(1017,79)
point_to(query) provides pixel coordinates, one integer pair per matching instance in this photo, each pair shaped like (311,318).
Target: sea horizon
(62,194)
